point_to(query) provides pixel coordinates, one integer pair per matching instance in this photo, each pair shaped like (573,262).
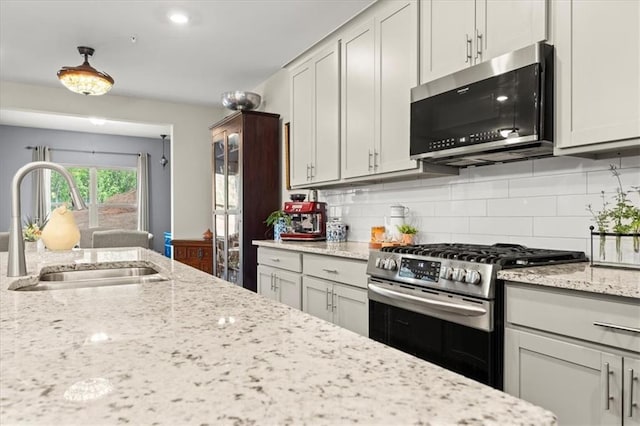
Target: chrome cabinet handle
(307,171)
(330,271)
(632,404)
(616,327)
(370,157)
(375,159)
(607,393)
(271,281)
(328,304)
(478,45)
(468,51)
(275,259)
(311,174)
(334,300)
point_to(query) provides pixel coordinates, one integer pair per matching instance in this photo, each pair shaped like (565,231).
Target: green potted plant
(408,233)
(279,220)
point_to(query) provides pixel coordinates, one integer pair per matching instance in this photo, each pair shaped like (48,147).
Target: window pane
(117,216)
(117,186)
(60,189)
(117,197)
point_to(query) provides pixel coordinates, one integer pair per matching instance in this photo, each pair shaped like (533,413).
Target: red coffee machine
(308,219)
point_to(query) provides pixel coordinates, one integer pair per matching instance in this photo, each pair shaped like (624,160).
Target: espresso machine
(308,219)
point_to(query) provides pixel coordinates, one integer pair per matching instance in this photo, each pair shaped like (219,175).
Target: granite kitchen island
(196,349)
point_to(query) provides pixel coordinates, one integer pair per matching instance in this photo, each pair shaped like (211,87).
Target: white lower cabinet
(335,289)
(283,286)
(572,374)
(340,304)
(329,287)
(279,275)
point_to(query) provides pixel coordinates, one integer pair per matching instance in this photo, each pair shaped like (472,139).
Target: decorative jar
(336,231)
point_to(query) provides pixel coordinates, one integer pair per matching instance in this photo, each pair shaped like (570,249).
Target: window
(110,194)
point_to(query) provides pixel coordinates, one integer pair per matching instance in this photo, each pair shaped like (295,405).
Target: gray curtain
(41,202)
(143,191)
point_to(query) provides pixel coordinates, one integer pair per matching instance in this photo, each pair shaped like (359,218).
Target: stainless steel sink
(95,278)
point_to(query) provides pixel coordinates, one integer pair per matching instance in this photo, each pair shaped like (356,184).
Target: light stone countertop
(579,276)
(351,250)
(574,276)
(196,349)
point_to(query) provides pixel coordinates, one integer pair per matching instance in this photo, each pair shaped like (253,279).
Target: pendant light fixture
(163,159)
(85,79)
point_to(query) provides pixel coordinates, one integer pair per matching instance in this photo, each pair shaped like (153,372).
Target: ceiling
(226,45)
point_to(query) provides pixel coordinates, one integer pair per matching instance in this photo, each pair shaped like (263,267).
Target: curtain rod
(88,152)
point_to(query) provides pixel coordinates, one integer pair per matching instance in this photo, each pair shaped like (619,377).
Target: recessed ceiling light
(501,98)
(179,18)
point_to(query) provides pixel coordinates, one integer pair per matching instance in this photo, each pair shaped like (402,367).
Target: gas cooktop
(505,255)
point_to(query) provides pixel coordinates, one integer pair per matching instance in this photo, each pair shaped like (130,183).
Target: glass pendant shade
(85,79)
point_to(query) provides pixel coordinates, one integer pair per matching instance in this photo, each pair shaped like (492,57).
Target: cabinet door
(266,282)
(631,391)
(351,308)
(597,71)
(326,166)
(396,73)
(504,26)
(447,33)
(358,97)
(570,380)
(301,130)
(316,298)
(288,286)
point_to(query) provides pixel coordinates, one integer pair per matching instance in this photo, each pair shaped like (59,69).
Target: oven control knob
(458,274)
(473,276)
(390,265)
(446,273)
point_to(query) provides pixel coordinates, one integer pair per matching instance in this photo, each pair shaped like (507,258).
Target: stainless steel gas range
(443,302)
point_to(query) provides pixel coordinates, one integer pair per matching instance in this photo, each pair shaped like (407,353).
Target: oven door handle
(466,310)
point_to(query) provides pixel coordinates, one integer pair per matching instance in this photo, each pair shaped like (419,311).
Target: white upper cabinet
(379,68)
(459,33)
(358,109)
(597,75)
(315,119)
(301,128)
(397,73)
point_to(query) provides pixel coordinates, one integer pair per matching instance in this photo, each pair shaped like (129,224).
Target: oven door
(435,326)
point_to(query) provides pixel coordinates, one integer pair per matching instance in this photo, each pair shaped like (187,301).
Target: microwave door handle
(456,308)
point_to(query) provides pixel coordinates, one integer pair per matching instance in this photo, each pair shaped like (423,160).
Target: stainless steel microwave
(496,111)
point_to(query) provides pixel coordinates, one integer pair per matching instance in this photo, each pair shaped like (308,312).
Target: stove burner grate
(505,255)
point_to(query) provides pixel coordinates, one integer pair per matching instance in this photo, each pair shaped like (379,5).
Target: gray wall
(14,155)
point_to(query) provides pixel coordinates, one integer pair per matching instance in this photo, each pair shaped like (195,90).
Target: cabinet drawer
(348,271)
(575,314)
(283,259)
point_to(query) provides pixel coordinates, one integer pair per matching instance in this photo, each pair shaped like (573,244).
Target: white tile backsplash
(480,190)
(461,208)
(561,226)
(501,225)
(537,203)
(561,184)
(526,206)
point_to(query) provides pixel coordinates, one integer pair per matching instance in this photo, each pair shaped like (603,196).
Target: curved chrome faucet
(17,265)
